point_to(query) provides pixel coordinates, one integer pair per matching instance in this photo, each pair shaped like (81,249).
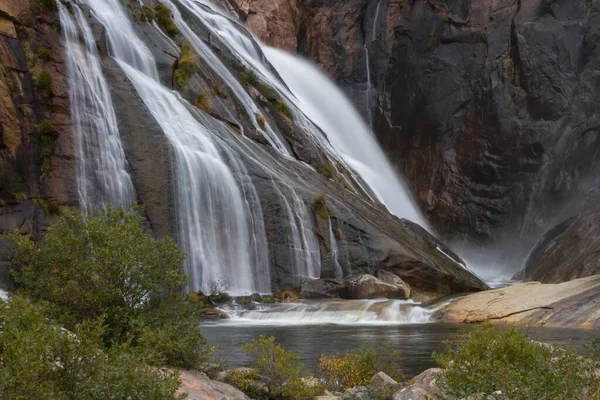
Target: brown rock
(393,279)
(14,9)
(7,28)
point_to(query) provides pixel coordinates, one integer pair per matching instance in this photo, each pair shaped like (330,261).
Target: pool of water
(414,342)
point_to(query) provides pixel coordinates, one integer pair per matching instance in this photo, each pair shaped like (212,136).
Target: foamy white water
(347,312)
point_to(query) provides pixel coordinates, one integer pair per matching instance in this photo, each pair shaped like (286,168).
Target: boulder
(197,386)
(358,393)
(321,289)
(368,287)
(415,392)
(382,381)
(393,279)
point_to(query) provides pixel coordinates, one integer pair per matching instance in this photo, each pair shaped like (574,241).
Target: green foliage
(165,20)
(243,300)
(326,169)
(249,77)
(289,294)
(11,182)
(44,84)
(268,299)
(148,12)
(220,91)
(320,207)
(338,234)
(280,370)
(40,360)
(108,267)
(48,144)
(30,56)
(357,367)
(43,53)
(273,97)
(49,4)
(203,102)
(260,120)
(187,64)
(491,359)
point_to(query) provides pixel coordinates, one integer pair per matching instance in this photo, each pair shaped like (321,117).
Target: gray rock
(197,386)
(393,279)
(415,392)
(321,289)
(382,381)
(358,393)
(369,287)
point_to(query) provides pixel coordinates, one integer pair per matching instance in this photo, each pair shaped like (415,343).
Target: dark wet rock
(321,289)
(568,251)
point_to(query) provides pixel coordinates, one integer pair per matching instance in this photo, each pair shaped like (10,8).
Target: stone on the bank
(357,393)
(424,387)
(382,381)
(321,289)
(197,386)
(361,287)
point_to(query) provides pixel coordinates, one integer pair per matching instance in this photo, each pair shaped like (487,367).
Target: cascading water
(327,106)
(102,173)
(334,252)
(349,312)
(211,214)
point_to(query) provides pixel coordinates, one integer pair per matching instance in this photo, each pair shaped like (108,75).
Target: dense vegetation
(117,295)
(506,360)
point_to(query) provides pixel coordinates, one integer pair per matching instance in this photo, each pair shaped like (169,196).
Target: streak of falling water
(327,106)
(334,252)
(102,173)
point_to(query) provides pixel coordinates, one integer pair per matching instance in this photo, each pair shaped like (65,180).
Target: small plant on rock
(44,84)
(165,20)
(320,207)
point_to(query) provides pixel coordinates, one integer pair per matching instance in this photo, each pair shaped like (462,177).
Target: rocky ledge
(574,304)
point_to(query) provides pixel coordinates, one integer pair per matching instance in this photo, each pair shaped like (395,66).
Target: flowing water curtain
(102,172)
(211,214)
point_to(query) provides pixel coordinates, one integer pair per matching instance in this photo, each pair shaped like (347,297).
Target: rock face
(423,387)
(38,156)
(488,107)
(568,251)
(574,304)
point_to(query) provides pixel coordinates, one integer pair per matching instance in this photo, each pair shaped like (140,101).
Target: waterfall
(347,312)
(334,252)
(213,227)
(327,106)
(102,174)
(320,100)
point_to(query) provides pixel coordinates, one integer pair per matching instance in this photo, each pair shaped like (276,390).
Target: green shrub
(357,367)
(30,56)
(273,97)
(491,359)
(43,53)
(220,91)
(249,77)
(11,182)
(243,300)
(148,12)
(338,234)
(187,64)
(279,370)
(203,102)
(49,4)
(320,207)
(260,120)
(108,266)
(40,360)
(326,169)
(165,20)
(48,145)
(268,299)
(44,84)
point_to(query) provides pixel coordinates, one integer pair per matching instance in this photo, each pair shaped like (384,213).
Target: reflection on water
(415,343)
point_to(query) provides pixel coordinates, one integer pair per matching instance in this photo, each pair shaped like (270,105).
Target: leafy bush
(320,207)
(260,120)
(44,84)
(278,370)
(220,91)
(249,78)
(273,97)
(327,170)
(357,368)
(10,181)
(491,359)
(203,102)
(39,360)
(108,266)
(165,20)
(188,62)
(148,12)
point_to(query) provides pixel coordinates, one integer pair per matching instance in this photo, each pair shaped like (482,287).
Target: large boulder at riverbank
(574,304)
(423,387)
(197,386)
